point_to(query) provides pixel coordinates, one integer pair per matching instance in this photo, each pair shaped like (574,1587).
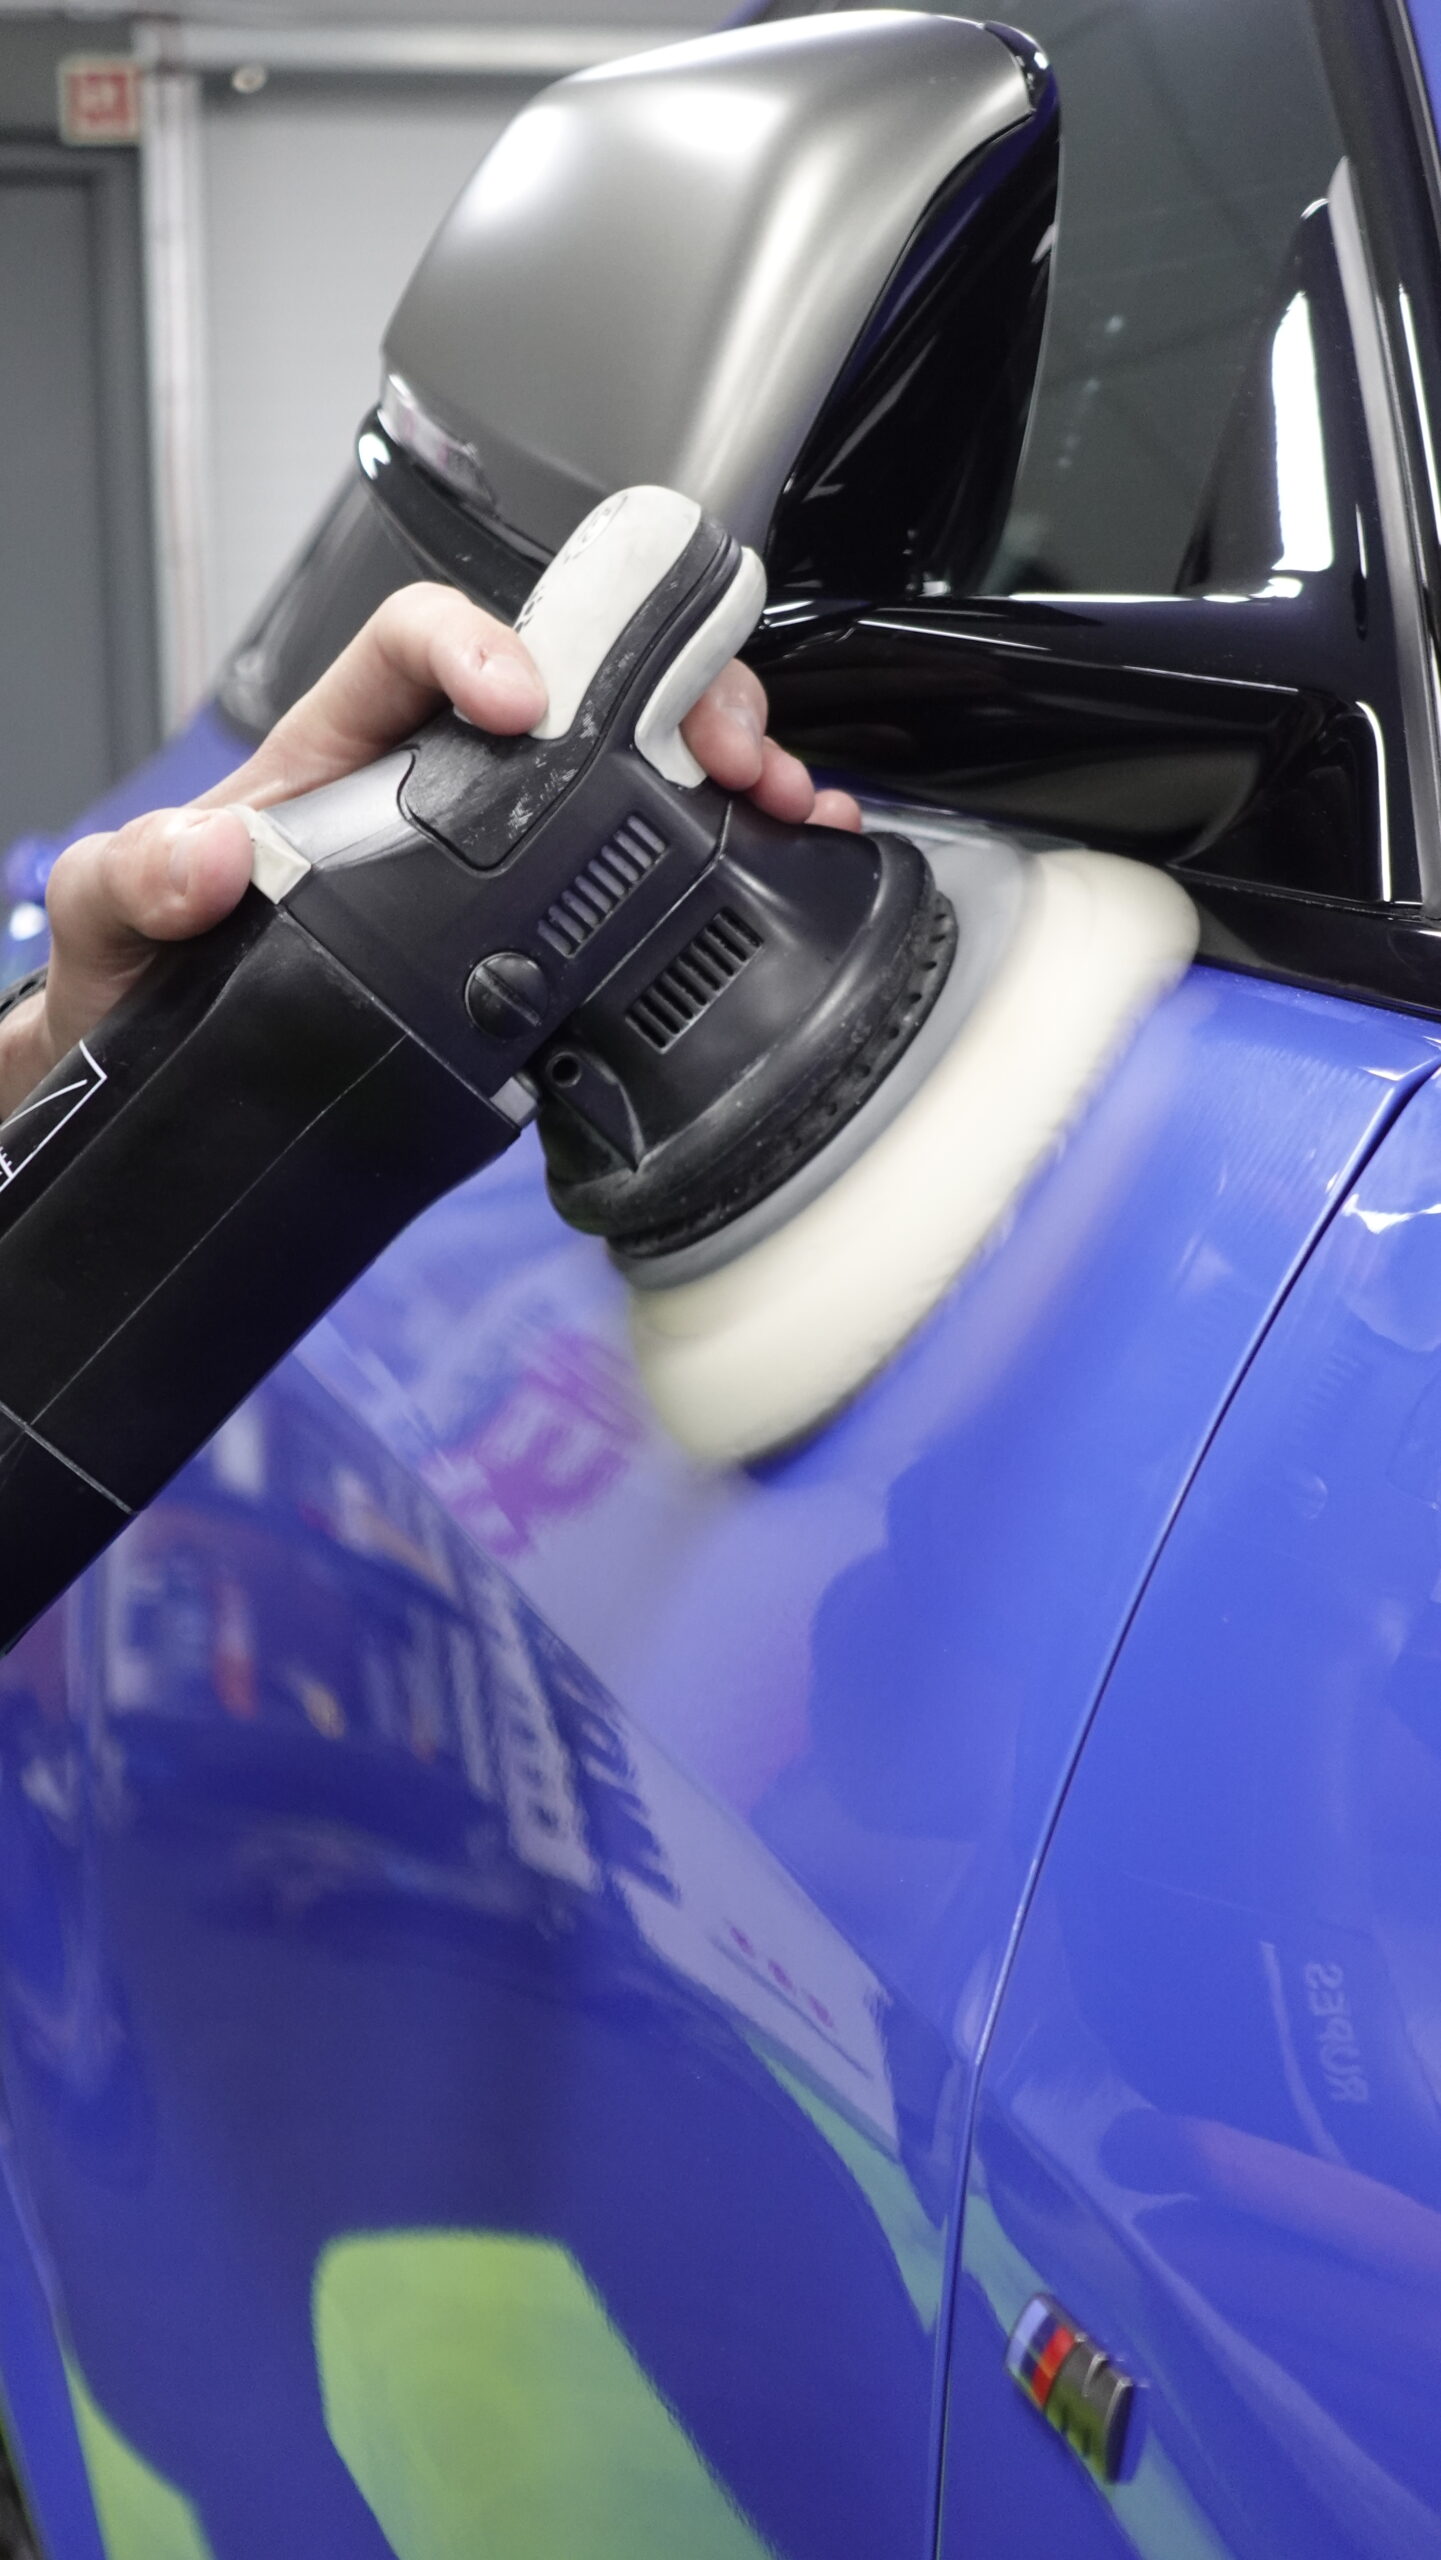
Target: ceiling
(685,16)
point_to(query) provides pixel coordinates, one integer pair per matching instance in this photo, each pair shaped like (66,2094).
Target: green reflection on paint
(482,2402)
(919,2249)
(141,2516)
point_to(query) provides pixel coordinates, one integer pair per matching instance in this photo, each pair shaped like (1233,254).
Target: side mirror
(798,272)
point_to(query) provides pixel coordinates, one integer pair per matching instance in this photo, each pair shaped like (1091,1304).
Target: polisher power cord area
(789,1078)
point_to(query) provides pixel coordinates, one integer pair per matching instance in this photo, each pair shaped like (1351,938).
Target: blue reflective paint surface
(1211,2111)
(1425,17)
(448,1813)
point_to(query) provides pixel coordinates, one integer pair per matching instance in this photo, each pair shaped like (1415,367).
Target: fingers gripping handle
(574,618)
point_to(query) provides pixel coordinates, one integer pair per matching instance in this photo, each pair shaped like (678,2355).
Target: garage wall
(77,657)
(78,669)
(218,292)
(318,199)
(308,179)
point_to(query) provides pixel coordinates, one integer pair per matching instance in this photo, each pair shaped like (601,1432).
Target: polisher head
(681,1097)
(810,1080)
(752,1342)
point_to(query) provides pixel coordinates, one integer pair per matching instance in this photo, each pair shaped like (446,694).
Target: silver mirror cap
(660,268)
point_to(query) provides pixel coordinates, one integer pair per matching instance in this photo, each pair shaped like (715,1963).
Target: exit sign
(99,98)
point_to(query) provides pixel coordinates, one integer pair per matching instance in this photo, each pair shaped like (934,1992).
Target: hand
(177,872)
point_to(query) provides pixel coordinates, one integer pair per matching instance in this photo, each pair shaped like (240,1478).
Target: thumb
(162,878)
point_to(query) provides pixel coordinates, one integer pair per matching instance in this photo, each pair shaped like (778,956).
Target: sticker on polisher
(37,1121)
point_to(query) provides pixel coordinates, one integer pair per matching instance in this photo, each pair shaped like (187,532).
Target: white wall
(318,196)
(318,201)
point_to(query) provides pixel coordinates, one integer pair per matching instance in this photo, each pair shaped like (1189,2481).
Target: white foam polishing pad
(759,1352)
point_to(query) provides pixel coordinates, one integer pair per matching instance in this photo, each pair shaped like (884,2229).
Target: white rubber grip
(657,731)
(576,612)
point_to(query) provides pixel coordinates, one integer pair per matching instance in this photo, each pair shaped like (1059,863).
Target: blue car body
(558,2003)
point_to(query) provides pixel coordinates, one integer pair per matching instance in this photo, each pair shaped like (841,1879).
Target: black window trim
(1388,232)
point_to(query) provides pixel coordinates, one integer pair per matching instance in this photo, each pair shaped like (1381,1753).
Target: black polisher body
(691,993)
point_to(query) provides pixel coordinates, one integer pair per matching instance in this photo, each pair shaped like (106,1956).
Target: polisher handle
(179,1200)
(482,888)
(189,1190)
(613,566)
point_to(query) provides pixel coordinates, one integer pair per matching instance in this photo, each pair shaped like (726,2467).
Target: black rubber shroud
(808,962)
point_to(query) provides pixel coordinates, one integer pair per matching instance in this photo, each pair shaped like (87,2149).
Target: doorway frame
(110,182)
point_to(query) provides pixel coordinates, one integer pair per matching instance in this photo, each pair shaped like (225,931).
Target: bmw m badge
(1077,2389)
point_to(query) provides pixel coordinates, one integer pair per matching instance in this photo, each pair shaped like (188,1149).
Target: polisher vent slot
(607,879)
(688,986)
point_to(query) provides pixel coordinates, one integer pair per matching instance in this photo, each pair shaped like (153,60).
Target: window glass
(349,566)
(1193,138)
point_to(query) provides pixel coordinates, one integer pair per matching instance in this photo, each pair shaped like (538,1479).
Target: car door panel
(487,1898)
(1208,2122)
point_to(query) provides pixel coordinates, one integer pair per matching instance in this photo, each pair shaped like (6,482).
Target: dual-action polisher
(788,1078)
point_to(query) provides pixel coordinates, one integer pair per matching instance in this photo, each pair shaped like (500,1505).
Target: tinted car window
(1193,140)
(349,566)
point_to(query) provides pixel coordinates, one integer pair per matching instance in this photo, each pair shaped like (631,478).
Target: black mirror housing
(796,271)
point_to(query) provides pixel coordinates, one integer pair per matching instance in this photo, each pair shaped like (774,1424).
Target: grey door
(77,651)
